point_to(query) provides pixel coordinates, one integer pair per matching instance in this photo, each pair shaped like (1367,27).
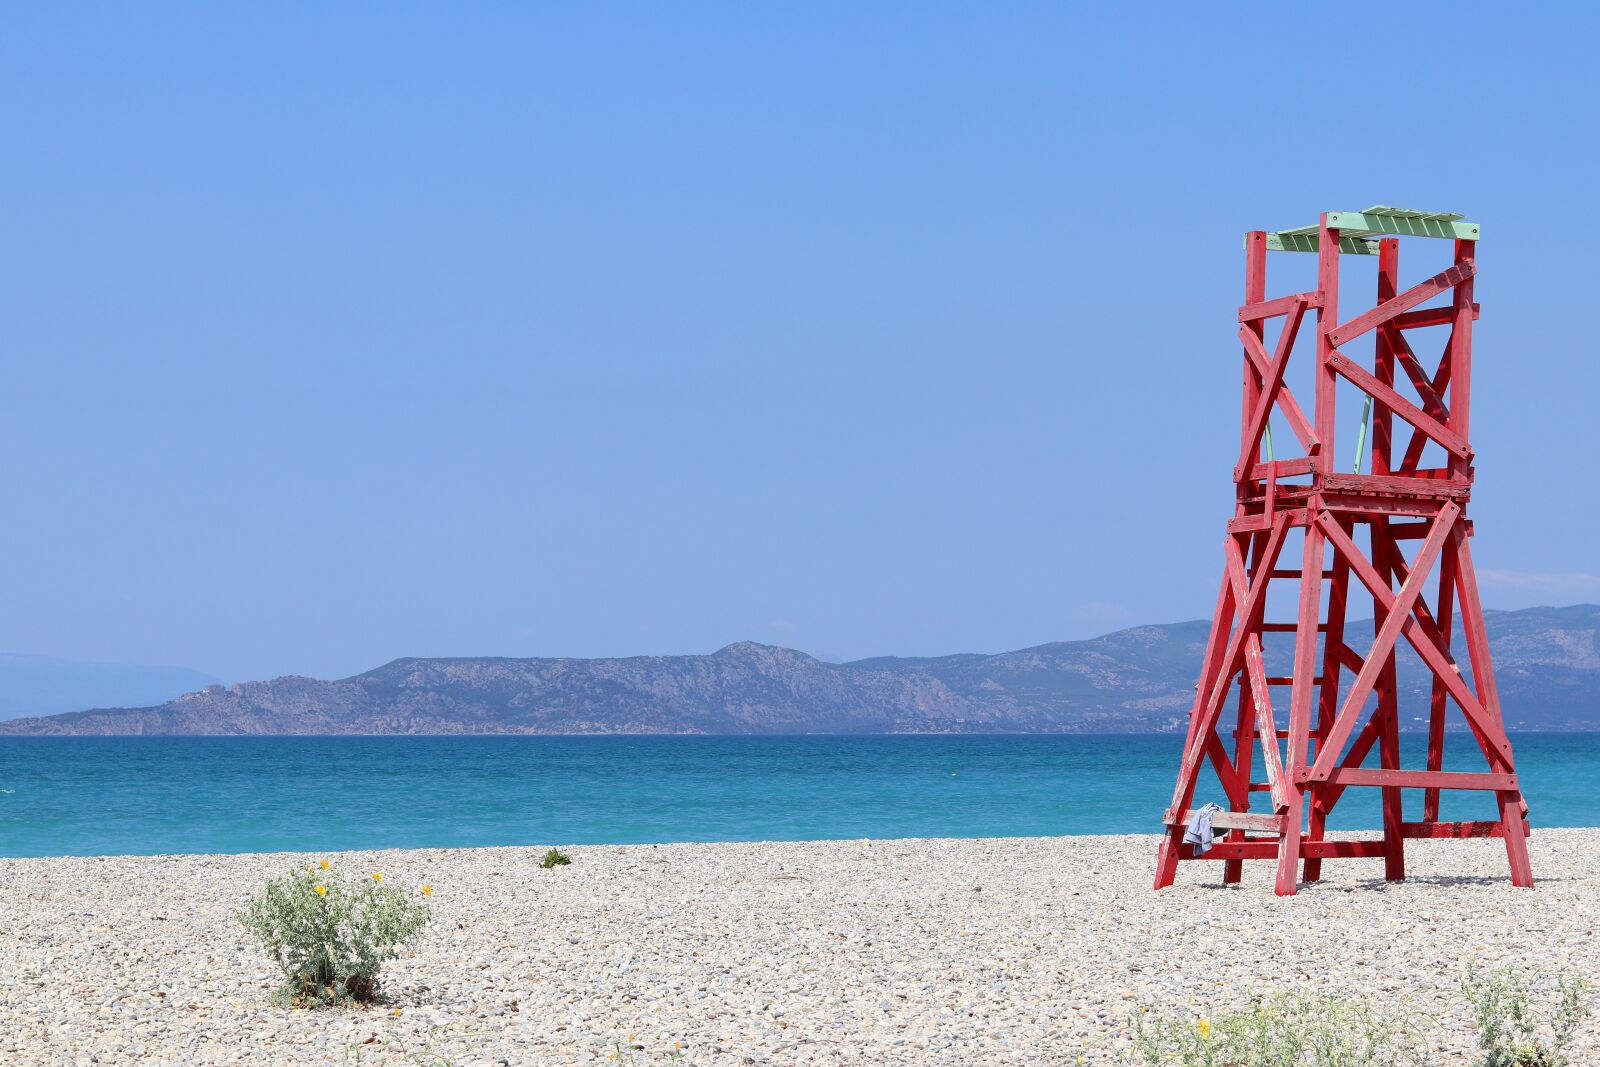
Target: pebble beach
(988,951)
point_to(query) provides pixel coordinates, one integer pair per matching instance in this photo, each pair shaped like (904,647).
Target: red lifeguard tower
(1412,520)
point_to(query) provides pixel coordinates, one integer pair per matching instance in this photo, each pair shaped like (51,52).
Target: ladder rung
(1260,787)
(1293,574)
(1281,679)
(1289,627)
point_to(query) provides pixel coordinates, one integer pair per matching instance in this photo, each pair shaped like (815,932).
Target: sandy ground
(897,952)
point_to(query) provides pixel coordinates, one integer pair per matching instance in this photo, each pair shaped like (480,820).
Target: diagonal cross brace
(1424,636)
(1447,438)
(1426,290)
(1419,632)
(1248,615)
(1431,629)
(1260,691)
(1266,723)
(1441,381)
(1271,389)
(1257,354)
(1432,402)
(1399,612)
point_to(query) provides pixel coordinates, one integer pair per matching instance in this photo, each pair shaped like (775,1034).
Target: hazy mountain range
(44,685)
(1140,679)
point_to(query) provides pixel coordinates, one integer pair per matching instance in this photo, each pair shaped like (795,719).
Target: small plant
(555,858)
(1511,1031)
(1284,1031)
(396,1049)
(627,1052)
(330,934)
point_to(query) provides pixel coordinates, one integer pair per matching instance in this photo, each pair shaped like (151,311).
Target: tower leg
(1300,693)
(1445,602)
(1516,843)
(1388,724)
(1183,793)
(1477,641)
(1327,702)
(1289,847)
(1167,858)
(1394,846)
(1233,870)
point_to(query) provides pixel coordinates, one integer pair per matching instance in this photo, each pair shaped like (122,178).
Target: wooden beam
(1341,850)
(1272,760)
(1432,402)
(1454,830)
(1487,781)
(1398,614)
(1447,438)
(1272,385)
(1424,637)
(1248,615)
(1257,354)
(1283,468)
(1278,305)
(1232,820)
(1426,290)
(1440,382)
(1424,317)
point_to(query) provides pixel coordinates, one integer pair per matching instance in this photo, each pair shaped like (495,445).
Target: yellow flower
(324,865)
(321,889)
(1204,1026)
(377,876)
(395,1013)
(427,890)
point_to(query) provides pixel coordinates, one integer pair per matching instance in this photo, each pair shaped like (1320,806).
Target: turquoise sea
(88,796)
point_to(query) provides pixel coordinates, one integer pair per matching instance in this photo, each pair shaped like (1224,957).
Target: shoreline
(1452,730)
(291,855)
(907,951)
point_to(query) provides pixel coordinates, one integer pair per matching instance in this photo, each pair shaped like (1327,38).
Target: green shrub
(1511,1031)
(555,858)
(330,934)
(1292,1030)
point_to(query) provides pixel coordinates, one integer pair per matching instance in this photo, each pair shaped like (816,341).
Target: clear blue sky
(333,333)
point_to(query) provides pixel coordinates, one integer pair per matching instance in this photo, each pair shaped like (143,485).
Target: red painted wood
(1444,316)
(1280,305)
(1342,850)
(1273,385)
(1305,503)
(1427,424)
(1434,829)
(1325,795)
(1256,354)
(1439,283)
(1432,402)
(1396,616)
(1478,780)
(1334,653)
(1436,703)
(1424,638)
(1440,382)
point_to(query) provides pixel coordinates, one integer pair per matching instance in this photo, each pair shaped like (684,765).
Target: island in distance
(1135,680)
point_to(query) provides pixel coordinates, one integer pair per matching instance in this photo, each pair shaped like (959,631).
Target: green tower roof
(1357,228)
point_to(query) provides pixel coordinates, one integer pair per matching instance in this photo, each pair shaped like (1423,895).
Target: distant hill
(1136,680)
(42,685)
